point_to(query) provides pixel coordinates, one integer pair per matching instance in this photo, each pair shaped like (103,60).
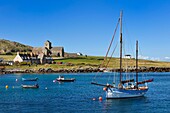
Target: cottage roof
(25,56)
(128,55)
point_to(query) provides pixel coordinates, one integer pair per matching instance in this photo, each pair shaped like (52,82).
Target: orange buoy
(104,89)
(6,86)
(100,98)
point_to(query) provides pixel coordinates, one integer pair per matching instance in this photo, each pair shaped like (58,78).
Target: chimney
(17,53)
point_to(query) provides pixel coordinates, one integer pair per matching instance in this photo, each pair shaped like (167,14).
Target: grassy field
(90,61)
(114,62)
(7,57)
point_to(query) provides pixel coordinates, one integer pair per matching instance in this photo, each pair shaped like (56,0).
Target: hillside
(7,46)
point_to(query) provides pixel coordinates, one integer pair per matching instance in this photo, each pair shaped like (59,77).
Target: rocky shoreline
(83,70)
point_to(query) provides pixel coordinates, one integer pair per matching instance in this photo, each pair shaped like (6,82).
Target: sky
(87,26)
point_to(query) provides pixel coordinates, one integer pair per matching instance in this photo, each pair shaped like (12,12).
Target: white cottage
(128,56)
(27,58)
(32,58)
(18,58)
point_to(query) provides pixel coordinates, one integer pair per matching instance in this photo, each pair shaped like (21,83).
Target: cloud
(155,59)
(143,57)
(149,58)
(167,58)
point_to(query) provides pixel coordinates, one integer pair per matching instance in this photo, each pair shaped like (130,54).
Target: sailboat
(134,89)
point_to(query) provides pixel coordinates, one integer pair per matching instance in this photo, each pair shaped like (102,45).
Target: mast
(121,46)
(137,64)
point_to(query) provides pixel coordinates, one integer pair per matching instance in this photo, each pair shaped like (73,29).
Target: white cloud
(167,58)
(143,57)
(149,58)
(155,59)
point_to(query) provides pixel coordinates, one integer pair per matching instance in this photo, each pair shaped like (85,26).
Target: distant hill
(7,46)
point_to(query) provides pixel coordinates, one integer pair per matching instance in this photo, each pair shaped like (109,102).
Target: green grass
(8,57)
(90,61)
(82,60)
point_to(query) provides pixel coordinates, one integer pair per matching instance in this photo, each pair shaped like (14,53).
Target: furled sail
(145,81)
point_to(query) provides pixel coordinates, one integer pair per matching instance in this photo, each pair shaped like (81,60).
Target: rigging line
(140,53)
(98,74)
(140,50)
(130,38)
(111,55)
(141,65)
(108,48)
(94,79)
(111,58)
(123,52)
(126,61)
(114,79)
(105,58)
(108,79)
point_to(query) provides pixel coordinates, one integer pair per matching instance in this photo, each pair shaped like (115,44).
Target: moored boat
(30,79)
(30,86)
(126,88)
(62,79)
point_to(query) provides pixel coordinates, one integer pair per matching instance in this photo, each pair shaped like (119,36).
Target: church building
(48,50)
(40,55)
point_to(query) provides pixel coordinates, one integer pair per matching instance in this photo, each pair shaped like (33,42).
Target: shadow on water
(124,105)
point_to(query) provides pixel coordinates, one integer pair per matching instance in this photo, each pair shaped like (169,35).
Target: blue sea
(79,96)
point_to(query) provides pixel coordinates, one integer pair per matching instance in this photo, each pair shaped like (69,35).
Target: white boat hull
(115,93)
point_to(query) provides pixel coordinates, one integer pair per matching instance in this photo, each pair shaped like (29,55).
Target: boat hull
(30,79)
(65,80)
(115,93)
(30,86)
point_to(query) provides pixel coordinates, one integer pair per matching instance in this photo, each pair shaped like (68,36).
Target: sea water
(79,96)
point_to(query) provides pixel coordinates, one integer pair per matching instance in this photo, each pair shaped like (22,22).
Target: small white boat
(30,86)
(62,79)
(30,79)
